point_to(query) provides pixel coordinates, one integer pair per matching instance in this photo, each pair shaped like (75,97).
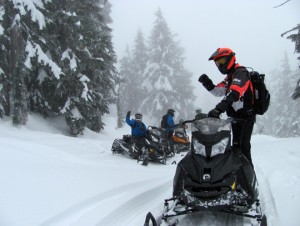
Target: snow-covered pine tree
(131,71)
(41,62)
(127,88)
(90,56)
(139,63)
(282,118)
(69,59)
(281,121)
(21,20)
(140,53)
(37,69)
(264,123)
(118,102)
(5,75)
(294,117)
(167,83)
(295,38)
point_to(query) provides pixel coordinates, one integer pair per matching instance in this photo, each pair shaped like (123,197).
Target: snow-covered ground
(51,179)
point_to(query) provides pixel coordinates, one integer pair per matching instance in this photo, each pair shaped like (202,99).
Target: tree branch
(281,4)
(293,29)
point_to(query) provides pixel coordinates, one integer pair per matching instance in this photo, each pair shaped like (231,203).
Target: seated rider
(182,125)
(138,132)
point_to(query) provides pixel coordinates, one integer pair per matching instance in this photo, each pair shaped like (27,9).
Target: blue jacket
(171,123)
(138,128)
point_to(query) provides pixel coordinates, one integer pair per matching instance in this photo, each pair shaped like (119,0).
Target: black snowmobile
(212,177)
(152,149)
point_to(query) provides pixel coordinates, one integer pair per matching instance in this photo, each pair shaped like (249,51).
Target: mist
(252,29)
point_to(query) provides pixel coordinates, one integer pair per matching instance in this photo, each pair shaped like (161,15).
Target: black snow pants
(241,136)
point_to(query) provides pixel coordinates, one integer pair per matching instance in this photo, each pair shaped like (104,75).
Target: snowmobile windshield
(155,133)
(211,125)
(179,129)
(211,136)
(220,147)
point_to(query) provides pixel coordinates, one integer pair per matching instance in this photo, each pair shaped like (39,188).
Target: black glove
(128,114)
(206,82)
(214,113)
(203,78)
(223,105)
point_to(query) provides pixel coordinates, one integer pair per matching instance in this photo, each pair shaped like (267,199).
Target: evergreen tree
(44,60)
(282,118)
(295,38)
(167,83)
(5,75)
(67,65)
(139,63)
(127,92)
(264,123)
(132,68)
(21,21)
(295,107)
(29,67)
(280,121)
(118,102)
(89,45)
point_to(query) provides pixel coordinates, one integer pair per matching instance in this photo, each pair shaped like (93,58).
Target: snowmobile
(152,149)
(181,139)
(159,135)
(213,176)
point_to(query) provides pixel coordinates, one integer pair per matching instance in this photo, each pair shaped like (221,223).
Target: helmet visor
(220,61)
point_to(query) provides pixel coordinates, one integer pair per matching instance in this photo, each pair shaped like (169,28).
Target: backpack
(261,94)
(164,122)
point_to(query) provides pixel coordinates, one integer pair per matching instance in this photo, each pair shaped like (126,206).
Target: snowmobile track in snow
(267,199)
(130,209)
(96,205)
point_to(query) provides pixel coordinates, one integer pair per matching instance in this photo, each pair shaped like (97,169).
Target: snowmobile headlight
(199,148)
(151,150)
(220,147)
(233,186)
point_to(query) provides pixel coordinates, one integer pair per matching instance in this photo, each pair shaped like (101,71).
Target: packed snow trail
(117,213)
(50,179)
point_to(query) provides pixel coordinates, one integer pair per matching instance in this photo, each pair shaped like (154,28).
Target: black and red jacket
(238,91)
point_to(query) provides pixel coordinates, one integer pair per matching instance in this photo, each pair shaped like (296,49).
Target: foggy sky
(250,28)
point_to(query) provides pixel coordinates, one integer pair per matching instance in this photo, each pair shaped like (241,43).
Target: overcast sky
(251,28)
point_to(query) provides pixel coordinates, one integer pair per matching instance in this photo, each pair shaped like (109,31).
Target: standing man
(168,124)
(138,132)
(238,101)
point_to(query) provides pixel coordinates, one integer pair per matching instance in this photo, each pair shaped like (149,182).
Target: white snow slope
(51,179)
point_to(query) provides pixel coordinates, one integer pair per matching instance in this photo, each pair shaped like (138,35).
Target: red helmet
(226,53)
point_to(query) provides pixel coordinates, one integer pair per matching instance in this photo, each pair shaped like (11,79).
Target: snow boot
(145,161)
